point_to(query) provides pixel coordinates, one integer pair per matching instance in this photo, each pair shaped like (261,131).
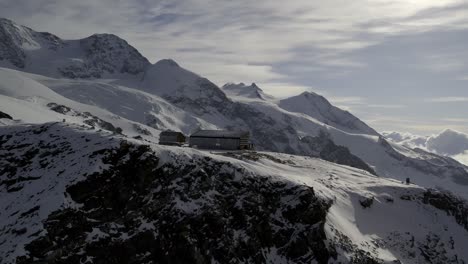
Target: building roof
(170,133)
(220,134)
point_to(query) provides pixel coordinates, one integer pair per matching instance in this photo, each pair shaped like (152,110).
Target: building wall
(244,142)
(164,138)
(215,143)
(181,138)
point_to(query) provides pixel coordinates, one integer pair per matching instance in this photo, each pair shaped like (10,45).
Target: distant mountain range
(102,88)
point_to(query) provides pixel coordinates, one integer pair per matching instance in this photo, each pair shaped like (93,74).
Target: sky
(400,65)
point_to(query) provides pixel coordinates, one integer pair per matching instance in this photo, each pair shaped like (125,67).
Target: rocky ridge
(122,201)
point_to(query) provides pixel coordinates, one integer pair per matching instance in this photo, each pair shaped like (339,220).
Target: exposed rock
(357,255)
(106,53)
(255,156)
(432,249)
(5,115)
(103,53)
(61,109)
(449,203)
(142,130)
(89,118)
(127,206)
(192,213)
(366,202)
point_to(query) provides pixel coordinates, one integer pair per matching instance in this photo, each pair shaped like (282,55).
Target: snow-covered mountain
(96,56)
(102,97)
(242,91)
(167,96)
(317,106)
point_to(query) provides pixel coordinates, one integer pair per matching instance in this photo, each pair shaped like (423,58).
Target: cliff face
(135,212)
(135,209)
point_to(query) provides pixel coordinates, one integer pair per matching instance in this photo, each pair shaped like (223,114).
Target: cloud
(358,103)
(234,33)
(452,99)
(448,142)
(456,120)
(352,100)
(390,106)
(406,139)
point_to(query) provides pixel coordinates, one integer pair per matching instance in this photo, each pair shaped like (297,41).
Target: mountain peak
(166,78)
(309,94)
(5,21)
(318,107)
(314,97)
(167,62)
(106,39)
(93,57)
(105,35)
(15,40)
(245,91)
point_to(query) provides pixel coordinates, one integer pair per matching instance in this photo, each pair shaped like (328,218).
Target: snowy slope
(131,104)
(272,127)
(304,210)
(30,198)
(319,108)
(242,92)
(146,99)
(26,99)
(186,90)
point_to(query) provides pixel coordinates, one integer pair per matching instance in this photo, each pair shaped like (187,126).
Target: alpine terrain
(84,180)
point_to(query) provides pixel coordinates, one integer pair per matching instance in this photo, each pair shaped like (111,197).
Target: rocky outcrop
(102,53)
(87,117)
(106,54)
(71,194)
(140,212)
(5,115)
(449,203)
(245,91)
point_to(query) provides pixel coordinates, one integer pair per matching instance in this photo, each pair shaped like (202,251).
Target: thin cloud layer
(447,99)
